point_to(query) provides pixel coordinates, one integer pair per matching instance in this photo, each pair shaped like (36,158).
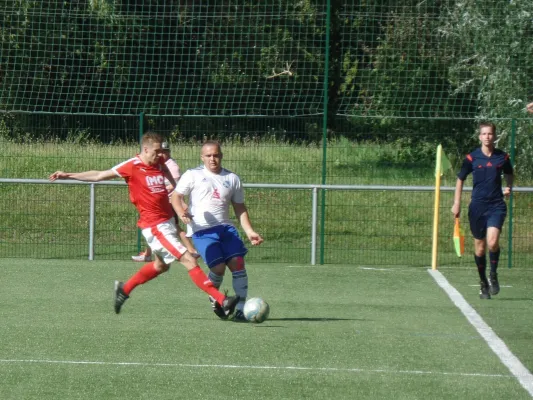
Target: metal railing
(314,188)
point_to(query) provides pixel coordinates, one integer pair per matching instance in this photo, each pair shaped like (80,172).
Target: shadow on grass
(296,319)
(515,299)
(316,319)
(267,325)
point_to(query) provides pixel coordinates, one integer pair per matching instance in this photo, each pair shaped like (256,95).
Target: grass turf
(338,332)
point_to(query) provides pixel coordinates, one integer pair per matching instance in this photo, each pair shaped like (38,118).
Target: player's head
(152,150)
(165,149)
(211,156)
(487,133)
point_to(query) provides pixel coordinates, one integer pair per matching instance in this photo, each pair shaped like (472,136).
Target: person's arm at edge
(241,212)
(178,203)
(509,181)
(508,175)
(86,176)
(456,208)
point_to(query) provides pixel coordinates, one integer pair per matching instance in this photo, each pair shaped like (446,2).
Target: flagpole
(436,208)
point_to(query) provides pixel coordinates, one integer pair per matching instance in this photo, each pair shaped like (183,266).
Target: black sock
(481,264)
(494,259)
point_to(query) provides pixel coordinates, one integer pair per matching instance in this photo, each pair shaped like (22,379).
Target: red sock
(202,281)
(145,274)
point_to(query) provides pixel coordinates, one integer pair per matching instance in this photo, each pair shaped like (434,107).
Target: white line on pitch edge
(505,286)
(497,345)
(267,367)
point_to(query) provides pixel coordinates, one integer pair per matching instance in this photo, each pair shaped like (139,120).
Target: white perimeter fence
(313,189)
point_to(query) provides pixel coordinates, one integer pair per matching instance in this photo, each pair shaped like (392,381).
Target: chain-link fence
(338,93)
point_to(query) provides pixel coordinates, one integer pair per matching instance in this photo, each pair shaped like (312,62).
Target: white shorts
(163,240)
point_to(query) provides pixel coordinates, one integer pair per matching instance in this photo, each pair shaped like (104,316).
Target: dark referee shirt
(486,173)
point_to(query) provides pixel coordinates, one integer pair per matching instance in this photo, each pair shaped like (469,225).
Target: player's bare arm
(456,208)
(241,212)
(509,181)
(86,176)
(529,108)
(178,203)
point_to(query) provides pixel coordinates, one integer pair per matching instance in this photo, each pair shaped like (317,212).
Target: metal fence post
(325,129)
(141,133)
(510,235)
(92,212)
(314,218)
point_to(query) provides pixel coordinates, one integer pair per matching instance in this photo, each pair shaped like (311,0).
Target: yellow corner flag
(444,163)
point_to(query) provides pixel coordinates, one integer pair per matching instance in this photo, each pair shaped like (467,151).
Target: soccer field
(334,332)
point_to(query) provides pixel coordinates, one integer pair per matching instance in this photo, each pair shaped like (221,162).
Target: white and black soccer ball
(256,310)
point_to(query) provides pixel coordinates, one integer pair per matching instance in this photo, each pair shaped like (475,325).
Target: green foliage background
(444,65)
(335,92)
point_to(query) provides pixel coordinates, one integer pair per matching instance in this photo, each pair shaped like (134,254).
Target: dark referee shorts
(485,215)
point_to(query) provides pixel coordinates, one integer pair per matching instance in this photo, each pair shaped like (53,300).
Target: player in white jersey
(211,190)
(145,175)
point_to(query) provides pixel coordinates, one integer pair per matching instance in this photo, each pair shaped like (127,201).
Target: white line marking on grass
(376,269)
(495,343)
(266,367)
(506,286)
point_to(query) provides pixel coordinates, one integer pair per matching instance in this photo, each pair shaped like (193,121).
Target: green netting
(163,57)
(437,59)
(374,227)
(80,80)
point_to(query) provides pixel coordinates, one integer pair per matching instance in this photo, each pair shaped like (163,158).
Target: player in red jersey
(173,167)
(145,175)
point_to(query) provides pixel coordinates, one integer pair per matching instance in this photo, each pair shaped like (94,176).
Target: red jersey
(146,184)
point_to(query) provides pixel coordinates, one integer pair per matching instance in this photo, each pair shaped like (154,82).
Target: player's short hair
(212,143)
(151,137)
(485,124)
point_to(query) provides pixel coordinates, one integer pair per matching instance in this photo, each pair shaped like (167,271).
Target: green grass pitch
(334,332)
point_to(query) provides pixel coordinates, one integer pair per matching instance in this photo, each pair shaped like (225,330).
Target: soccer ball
(256,310)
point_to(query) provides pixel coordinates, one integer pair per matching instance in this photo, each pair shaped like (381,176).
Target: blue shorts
(486,215)
(218,244)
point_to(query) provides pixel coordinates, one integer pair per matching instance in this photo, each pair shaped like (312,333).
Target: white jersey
(210,196)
